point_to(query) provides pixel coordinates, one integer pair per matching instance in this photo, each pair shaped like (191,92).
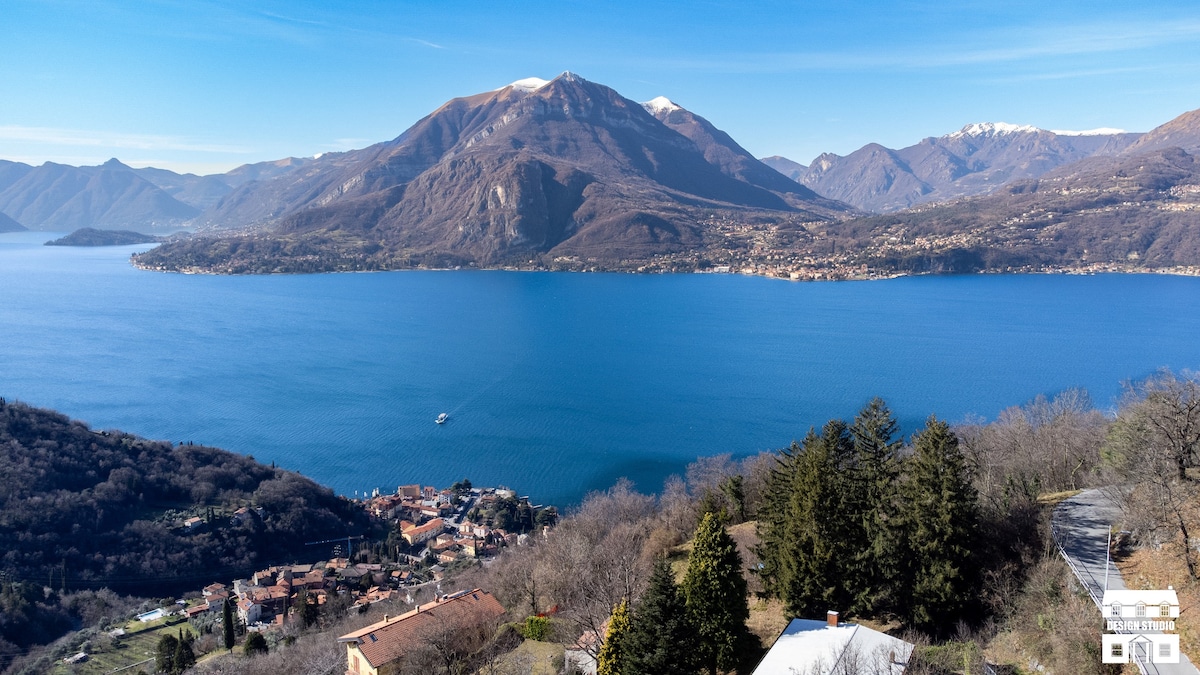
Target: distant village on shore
(431,531)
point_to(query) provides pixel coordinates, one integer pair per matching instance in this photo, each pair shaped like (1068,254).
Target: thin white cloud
(110,139)
(340,144)
(997,47)
(1067,74)
(426,43)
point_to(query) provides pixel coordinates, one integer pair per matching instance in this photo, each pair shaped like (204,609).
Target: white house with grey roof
(812,647)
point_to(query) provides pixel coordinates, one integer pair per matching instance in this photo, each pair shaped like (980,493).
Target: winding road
(1081,526)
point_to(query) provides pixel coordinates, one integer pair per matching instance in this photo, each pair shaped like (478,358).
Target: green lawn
(130,649)
(536,658)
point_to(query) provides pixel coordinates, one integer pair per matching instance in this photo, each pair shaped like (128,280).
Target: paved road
(1082,525)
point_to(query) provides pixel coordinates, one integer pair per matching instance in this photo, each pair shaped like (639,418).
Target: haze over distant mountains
(977,159)
(9,225)
(59,197)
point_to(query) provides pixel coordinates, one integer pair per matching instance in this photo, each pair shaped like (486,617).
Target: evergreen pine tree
(735,491)
(774,520)
(661,638)
(310,612)
(227,624)
(164,656)
(942,520)
(714,591)
(874,572)
(818,537)
(255,644)
(184,656)
(611,658)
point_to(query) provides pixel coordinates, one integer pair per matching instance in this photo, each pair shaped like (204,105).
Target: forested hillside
(81,508)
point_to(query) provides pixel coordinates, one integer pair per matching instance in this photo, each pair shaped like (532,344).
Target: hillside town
(430,531)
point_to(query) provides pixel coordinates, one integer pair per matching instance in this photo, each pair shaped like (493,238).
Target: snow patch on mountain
(989,129)
(528,84)
(1102,131)
(660,104)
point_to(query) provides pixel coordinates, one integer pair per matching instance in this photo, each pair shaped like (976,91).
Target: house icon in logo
(1136,620)
(1152,648)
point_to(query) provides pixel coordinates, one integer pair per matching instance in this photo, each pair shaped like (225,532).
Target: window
(1115,610)
(1164,610)
(1164,650)
(1118,650)
(1141,609)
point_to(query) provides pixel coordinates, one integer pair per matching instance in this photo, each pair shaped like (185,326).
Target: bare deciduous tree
(1154,443)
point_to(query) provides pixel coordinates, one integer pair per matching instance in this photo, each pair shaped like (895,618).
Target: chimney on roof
(831,619)
(385,618)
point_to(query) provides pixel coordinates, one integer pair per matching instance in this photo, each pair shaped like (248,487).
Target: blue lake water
(556,383)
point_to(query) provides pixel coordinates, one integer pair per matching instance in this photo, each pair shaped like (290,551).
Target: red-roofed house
(421,533)
(407,642)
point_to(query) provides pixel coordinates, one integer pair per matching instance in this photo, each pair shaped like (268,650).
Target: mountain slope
(9,225)
(1181,132)
(1141,210)
(108,506)
(722,151)
(200,192)
(975,160)
(59,197)
(785,166)
(566,169)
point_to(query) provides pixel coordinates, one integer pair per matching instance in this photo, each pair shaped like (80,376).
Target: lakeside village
(431,533)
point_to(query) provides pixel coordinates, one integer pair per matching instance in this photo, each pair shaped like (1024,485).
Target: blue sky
(206,85)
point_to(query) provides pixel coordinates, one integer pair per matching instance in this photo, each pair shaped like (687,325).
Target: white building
(831,648)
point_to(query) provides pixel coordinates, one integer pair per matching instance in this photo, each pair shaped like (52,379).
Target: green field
(130,649)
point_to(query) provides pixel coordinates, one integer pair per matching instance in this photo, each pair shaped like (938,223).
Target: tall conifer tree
(184,656)
(942,519)
(715,593)
(875,571)
(227,624)
(774,521)
(164,657)
(819,540)
(662,639)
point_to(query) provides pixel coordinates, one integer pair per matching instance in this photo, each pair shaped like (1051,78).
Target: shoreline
(802,275)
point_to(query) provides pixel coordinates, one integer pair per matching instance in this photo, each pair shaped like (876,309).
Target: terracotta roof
(387,640)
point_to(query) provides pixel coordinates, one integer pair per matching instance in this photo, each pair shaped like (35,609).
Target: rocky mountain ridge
(977,159)
(564,170)
(59,197)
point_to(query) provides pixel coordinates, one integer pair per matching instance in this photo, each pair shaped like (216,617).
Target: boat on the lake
(441,419)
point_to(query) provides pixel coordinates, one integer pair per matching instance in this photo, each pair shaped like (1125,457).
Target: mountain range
(564,170)
(60,197)
(568,174)
(1139,211)
(977,159)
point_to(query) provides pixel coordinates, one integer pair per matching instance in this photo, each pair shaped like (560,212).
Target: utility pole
(1107,556)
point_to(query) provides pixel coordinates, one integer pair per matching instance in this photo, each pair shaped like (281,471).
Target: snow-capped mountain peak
(989,129)
(1102,131)
(660,104)
(528,84)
